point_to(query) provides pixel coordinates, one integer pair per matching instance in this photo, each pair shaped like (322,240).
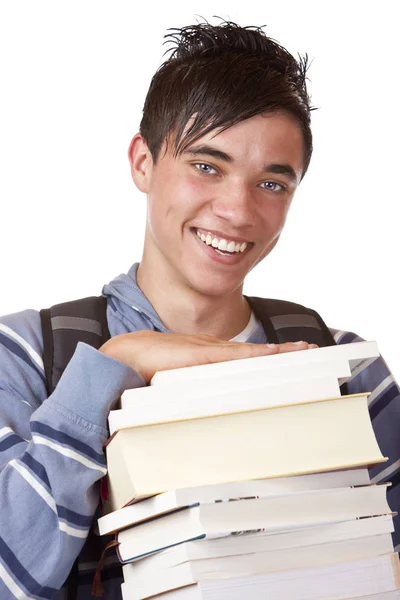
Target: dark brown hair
(220,75)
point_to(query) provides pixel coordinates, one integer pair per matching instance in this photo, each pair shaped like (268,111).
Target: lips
(217,256)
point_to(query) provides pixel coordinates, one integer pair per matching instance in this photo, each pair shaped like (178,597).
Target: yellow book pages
(278,442)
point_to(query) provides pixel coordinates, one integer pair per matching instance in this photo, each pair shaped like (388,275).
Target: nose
(235,203)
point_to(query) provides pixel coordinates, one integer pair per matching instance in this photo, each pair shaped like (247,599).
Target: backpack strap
(66,324)
(63,326)
(289,322)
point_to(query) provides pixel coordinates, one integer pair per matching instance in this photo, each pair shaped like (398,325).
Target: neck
(186,311)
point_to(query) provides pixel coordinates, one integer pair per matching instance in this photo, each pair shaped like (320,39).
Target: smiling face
(236,185)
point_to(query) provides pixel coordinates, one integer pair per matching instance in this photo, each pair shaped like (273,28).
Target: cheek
(193,193)
(171,202)
(182,199)
(274,217)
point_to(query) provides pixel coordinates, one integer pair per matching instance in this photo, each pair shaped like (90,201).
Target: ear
(141,162)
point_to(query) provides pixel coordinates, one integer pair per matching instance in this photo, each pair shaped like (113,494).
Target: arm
(51,456)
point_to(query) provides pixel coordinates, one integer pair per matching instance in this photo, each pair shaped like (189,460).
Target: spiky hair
(218,75)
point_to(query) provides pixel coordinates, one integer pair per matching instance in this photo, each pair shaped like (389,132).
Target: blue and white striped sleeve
(51,456)
(374,376)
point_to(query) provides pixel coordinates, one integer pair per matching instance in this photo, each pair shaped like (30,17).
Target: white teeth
(223,244)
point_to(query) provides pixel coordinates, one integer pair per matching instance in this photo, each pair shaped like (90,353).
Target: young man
(224,142)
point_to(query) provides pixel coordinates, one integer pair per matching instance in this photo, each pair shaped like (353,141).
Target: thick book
(275,442)
(259,541)
(188,406)
(169,501)
(243,565)
(355,353)
(272,513)
(337,581)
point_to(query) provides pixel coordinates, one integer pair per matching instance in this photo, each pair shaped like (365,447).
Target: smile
(222,244)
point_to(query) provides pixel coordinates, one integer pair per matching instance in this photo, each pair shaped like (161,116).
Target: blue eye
(204,168)
(272,186)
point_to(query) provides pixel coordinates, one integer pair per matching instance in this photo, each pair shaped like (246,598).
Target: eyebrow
(282,170)
(205,150)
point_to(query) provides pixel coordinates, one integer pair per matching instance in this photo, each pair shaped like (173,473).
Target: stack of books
(249,479)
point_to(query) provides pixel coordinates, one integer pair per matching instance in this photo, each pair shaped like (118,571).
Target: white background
(73,78)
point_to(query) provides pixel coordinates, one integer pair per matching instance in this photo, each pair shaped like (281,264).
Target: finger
(293,347)
(238,350)
(269,348)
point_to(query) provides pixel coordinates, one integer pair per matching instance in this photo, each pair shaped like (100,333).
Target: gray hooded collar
(129,300)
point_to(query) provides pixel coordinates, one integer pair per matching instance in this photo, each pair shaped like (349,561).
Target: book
(159,410)
(266,542)
(272,513)
(196,593)
(170,501)
(255,444)
(355,353)
(373,575)
(267,467)
(242,565)
(181,390)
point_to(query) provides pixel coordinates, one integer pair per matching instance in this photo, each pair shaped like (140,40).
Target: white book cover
(355,353)
(197,592)
(243,565)
(140,397)
(253,542)
(209,404)
(275,513)
(328,582)
(169,501)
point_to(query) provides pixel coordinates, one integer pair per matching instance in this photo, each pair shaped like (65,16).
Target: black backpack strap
(63,326)
(289,322)
(66,324)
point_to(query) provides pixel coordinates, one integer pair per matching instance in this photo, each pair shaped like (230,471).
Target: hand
(149,351)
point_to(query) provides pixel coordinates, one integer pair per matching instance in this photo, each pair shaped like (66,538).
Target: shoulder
(21,353)
(345,337)
(22,329)
(370,375)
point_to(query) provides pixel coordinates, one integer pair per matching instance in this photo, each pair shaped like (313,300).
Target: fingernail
(298,343)
(271,345)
